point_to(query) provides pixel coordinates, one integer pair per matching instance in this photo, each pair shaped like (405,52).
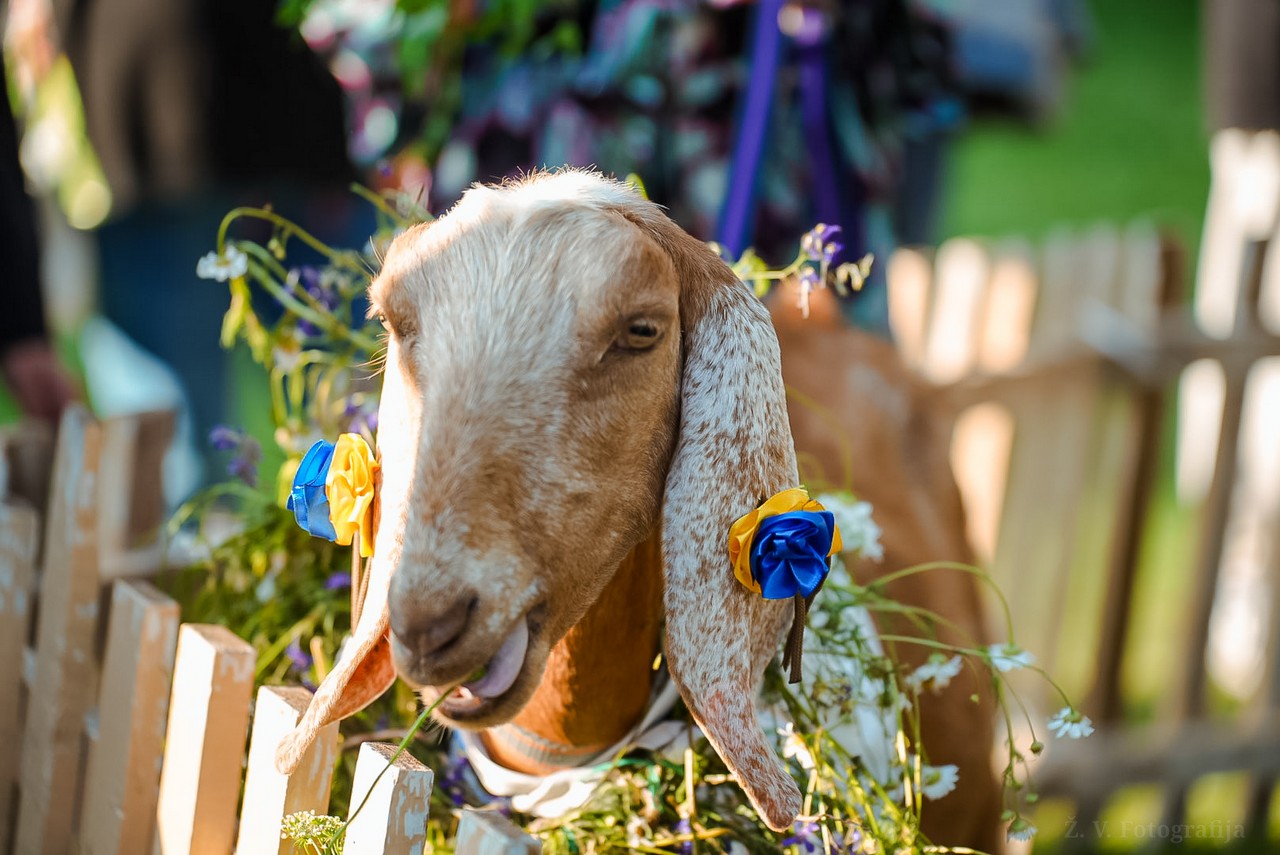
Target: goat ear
(734,449)
(358,678)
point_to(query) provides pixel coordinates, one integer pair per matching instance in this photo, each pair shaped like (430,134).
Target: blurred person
(195,107)
(31,370)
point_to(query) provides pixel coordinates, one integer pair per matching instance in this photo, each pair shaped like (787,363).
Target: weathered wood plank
(123,775)
(1162,288)
(26,457)
(393,819)
(270,796)
(485,832)
(19,539)
(910,276)
(65,686)
(204,748)
(962,269)
(134,448)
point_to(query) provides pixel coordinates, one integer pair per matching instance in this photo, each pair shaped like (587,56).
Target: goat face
(528,416)
(567,370)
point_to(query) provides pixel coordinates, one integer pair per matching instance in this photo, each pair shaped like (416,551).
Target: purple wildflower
(299,658)
(361,415)
(224,438)
(245,470)
(320,290)
(684,827)
(454,780)
(338,581)
(830,250)
(807,834)
(815,241)
(244,465)
(853,839)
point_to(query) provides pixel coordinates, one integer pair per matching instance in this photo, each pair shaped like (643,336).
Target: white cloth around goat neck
(568,789)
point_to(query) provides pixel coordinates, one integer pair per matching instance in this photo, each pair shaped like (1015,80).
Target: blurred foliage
(430,37)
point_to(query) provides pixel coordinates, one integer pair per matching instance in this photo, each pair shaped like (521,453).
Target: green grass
(1131,140)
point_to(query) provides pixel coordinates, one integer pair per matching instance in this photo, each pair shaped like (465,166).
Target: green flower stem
(279,408)
(954,565)
(829,419)
(917,615)
(338,257)
(380,202)
(323,320)
(273,651)
(206,499)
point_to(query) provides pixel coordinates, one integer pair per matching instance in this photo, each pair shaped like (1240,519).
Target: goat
(579,398)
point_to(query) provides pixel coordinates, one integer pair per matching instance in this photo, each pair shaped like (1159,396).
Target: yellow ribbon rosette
(351,487)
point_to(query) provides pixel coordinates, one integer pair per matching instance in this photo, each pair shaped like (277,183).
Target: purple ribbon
(744,173)
(810,38)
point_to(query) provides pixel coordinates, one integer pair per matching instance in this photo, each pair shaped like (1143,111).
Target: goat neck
(597,683)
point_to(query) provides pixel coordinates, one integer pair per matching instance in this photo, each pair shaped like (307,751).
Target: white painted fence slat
(484,832)
(394,818)
(124,761)
(19,538)
(65,683)
(208,719)
(270,796)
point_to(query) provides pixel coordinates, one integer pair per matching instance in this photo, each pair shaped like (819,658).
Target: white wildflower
(286,356)
(938,781)
(1009,657)
(939,670)
(1070,723)
(839,576)
(232,264)
(266,589)
(638,832)
(793,747)
(858,530)
(1020,829)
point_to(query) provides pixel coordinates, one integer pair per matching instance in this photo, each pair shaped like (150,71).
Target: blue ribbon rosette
(308,499)
(789,553)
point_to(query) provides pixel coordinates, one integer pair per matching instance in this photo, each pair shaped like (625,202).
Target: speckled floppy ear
(734,449)
(358,678)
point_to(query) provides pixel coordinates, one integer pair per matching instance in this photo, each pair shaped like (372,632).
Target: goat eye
(382,319)
(639,335)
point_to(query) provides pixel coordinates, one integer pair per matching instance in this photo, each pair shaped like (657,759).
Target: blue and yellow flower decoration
(782,550)
(334,493)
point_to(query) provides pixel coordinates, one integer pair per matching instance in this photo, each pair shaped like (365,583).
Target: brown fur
(896,431)
(598,678)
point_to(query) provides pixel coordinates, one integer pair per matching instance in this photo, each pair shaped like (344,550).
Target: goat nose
(425,628)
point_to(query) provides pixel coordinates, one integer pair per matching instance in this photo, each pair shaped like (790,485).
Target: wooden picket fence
(124,731)
(1063,363)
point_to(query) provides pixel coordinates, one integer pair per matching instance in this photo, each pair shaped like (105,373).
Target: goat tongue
(505,666)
